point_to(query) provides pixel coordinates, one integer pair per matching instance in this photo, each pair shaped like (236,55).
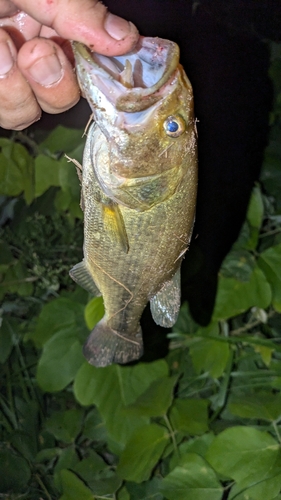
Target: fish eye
(174,126)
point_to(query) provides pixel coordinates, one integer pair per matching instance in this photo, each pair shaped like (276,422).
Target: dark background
(225,55)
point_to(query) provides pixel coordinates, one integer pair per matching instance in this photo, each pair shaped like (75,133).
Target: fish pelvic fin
(82,276)
(105,346)
(165,305)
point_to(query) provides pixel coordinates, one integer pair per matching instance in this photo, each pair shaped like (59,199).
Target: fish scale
(136,229)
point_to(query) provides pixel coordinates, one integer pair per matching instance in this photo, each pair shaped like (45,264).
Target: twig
(249,326)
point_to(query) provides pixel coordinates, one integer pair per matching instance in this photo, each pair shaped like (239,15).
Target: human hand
(36,61)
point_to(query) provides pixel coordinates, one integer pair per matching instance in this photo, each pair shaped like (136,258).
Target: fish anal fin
(82,276)
(114,225)
(105,346)
(166,303)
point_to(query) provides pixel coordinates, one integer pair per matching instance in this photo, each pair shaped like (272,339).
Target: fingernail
(47,70)
(6,59)
(117,27)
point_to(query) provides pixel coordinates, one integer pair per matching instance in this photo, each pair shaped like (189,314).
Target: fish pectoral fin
(165,305)
(82,276)
(114,224)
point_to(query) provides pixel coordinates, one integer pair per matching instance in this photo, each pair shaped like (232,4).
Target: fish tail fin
(105,346)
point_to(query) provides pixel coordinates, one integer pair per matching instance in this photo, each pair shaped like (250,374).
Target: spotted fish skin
(139,184)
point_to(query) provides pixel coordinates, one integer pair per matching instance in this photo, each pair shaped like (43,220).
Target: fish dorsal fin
(80,274)
(114,224)
(165,304)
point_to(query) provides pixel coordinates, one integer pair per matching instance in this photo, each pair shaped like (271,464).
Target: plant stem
(251,325)
(30,143)
(40,482)
(275,426)
(270,233)
(172,434)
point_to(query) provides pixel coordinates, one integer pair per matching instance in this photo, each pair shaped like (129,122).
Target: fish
(138,191)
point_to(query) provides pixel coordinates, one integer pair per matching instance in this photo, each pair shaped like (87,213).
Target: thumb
(86,21)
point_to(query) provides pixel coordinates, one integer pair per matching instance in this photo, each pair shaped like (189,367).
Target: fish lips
(132,82)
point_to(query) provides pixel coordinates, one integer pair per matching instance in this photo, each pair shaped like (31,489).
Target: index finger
(87,21)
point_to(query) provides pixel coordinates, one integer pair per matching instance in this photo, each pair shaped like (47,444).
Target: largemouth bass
(139,184)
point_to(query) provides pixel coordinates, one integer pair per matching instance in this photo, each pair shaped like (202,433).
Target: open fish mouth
(131,82)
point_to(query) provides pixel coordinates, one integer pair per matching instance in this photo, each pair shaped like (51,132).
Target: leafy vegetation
(202,424)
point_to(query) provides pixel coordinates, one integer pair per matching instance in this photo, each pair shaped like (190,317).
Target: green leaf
(14,472)
(65,425)
(62,140)
(265,352)
(94,311)
(68,458)
(59,314)
(238,493)
(26,165)
(46,174)
(17,280)
(16,170)
(23,443)
(238,264)
(255,217)
(198,445)
(123,494)
(6,340)
(90,466)
(255,208)
(156,400)
(264,489)
(235,297)
(142,452)
(192,479)
(75,209)
(103,481)
(251,457)
(271,172)
(244,239)
(94,427)
(60,361)
(113,388)
(47,454)
(147,490)
(62,200)
(25,440)
(74,488)
(209,356)
(190,416)
(6,256)
(10,177)
(106,484)
(68,178)
(185,322)
(261,405)
(270,263)
(128,381)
